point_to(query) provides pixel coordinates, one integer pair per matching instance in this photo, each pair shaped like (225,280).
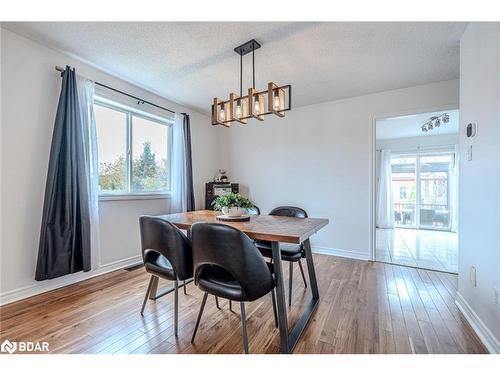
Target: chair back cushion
(223,246)
(160,236)
(289,211)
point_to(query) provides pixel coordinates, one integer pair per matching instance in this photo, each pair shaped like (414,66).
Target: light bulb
(256,106)
(222,114)
(276,102)
(238,108)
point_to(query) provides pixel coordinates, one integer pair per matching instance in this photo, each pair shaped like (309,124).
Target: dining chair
(291,253)
(228,265)
(253,210)
(167,254)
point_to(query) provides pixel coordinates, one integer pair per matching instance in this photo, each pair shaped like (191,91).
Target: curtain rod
(141,101)
(445,147)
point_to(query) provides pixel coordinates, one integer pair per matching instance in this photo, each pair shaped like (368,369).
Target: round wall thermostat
(471,129)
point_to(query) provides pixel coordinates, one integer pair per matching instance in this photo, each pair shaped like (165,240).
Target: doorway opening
(417,173)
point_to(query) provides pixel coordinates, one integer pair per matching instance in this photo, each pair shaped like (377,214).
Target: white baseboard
(340,253)
(39,287)
(485,335)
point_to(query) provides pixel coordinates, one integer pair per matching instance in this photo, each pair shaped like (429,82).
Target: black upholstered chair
(228,265)
(254,210)
(167,254)
(291,253)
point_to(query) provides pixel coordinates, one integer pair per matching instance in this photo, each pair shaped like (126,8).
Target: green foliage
(147,173)
(231,200)
(112,175)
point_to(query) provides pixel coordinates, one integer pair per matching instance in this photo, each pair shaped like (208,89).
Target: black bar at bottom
(301,324)
(166,290)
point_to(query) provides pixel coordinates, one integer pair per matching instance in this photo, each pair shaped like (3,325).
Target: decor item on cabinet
(215,189)
(233,207)
(221,176)
(256,104)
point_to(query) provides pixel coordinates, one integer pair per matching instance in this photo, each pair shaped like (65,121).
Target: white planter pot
(233,211)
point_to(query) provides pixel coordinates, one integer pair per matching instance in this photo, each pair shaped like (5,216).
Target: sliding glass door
(421,189)
(434,182)
(404,190)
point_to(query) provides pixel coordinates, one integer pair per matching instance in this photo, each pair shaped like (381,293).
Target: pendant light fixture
(256,104)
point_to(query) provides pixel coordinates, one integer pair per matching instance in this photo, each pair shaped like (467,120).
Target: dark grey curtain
(65,233)
(189,163)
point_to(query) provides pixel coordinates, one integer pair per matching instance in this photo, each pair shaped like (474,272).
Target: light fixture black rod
(241,75)
(253,65)
(59,69)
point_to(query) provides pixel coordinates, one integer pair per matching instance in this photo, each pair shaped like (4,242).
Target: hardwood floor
(365,308)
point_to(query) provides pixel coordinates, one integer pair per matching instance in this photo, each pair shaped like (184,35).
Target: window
(133,150)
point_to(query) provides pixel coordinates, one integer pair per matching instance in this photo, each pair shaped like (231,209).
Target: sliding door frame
(418,153)
(372,150)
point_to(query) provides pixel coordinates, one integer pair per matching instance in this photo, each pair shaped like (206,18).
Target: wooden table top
(260,227)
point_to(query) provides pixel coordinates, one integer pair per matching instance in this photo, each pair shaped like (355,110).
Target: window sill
(133,197)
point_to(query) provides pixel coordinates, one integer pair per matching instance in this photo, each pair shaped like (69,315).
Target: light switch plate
(469,153)
(472,275)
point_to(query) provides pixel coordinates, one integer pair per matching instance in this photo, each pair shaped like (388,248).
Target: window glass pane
(111,147)
(150,164)
(404,190)
(434,208)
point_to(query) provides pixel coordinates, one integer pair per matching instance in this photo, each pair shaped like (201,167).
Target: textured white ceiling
(410,126)
(191,62)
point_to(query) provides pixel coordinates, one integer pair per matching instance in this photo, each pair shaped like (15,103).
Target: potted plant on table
(232,204)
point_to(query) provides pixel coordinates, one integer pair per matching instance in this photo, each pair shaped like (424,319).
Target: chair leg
(199,316)
(274,308)
(184,286)
(217,302)
(290,283)
(176,307)
(302,272)
(244,327)
(148,291)
(230,305)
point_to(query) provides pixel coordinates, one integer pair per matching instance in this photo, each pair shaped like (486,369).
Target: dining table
(274,229)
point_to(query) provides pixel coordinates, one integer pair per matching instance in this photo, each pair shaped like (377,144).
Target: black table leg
(280,299)
(310,269)
(311,306)
(287,342)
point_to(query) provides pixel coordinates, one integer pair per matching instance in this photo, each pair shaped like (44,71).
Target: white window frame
(130,113)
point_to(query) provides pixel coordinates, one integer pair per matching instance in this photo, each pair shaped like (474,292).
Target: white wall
(479,230)
(30,90)
(319,157)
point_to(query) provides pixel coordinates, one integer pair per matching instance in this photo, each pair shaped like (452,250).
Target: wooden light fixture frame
(247,102)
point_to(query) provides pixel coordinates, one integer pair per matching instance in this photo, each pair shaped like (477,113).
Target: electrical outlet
(472,275)
(497,296)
